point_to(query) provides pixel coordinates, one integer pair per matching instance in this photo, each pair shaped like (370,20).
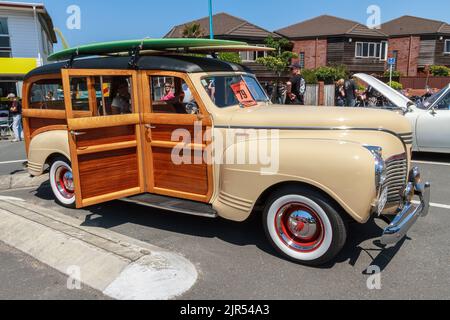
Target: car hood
(282,116)
(394,96)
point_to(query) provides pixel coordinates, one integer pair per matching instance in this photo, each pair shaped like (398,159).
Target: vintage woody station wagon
(107,128)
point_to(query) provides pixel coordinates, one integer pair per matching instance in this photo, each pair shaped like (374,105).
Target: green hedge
(395,85)
(440,71)
(328,74)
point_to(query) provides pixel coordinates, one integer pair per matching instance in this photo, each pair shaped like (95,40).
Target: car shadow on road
(112,215)
(431,157)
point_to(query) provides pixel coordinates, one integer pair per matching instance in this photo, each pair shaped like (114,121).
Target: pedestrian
(16,113)
(350,92)
(296,87)
(281,93)
(340,93)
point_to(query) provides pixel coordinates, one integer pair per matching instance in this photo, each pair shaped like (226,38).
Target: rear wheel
(61,181)
(304,226)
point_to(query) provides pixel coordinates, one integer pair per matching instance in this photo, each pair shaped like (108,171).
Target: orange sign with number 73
(243,94)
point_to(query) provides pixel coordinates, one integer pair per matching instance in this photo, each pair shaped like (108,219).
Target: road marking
(4,198)
(430,162)
(14,161)
(436,205)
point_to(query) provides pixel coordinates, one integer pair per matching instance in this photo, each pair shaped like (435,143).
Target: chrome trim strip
(398,136)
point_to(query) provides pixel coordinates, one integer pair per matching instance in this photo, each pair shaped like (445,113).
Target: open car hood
(394,96)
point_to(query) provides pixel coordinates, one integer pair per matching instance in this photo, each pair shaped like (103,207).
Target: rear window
(47,95)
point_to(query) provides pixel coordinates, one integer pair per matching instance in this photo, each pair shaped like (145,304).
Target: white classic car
(430,118)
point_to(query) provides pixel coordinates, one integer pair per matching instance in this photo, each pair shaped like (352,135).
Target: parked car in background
(430,118)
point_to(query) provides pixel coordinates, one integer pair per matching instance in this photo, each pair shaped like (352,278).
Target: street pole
(211,27)
(390,74)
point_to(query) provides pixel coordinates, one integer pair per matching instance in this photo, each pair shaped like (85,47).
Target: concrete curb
(119,266)
(22,180)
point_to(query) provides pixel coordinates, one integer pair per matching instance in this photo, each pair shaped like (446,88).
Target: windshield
(227,91)
(428,102)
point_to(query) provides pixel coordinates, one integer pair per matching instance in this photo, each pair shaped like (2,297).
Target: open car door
(173,113)
(104,134)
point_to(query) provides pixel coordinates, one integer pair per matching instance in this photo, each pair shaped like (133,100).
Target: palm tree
(193,30)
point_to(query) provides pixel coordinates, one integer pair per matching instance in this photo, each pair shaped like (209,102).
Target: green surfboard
(105,48)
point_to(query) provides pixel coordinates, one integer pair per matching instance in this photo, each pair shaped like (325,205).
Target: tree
(193,30)
(280,59)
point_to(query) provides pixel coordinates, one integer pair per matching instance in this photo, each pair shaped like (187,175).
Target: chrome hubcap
(299,227)
(302,224)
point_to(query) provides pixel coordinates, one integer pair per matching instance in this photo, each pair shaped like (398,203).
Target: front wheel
(304,226)
(61,181)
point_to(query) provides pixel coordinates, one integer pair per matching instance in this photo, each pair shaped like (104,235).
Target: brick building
(328,40)
(417,43)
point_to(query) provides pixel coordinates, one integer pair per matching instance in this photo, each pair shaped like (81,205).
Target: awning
(17,66)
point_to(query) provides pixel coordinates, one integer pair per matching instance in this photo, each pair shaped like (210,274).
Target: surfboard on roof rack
(153,46)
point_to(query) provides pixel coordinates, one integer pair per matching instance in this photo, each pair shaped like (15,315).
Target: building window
(5,44)
(384,50)
(447,46)
(251,56)
(374,50)
(395,56)
(301,60)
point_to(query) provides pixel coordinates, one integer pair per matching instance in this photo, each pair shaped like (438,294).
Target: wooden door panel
(120,171)
(106,136)
(106,151)
(187,178)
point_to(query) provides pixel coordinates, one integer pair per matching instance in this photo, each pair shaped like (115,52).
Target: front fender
(343,170)
(43,146)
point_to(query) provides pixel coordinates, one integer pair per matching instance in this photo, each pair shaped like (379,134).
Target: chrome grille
(397,175)
(407,138)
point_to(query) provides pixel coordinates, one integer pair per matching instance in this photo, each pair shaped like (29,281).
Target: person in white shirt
(121,100)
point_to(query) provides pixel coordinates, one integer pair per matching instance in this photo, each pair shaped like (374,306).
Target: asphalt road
(24,278)
(11,156)
(235,261)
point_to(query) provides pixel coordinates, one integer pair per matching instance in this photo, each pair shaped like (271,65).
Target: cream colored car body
(320,147)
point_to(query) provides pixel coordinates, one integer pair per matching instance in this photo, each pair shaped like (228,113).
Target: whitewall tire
(61,181)
(304,226)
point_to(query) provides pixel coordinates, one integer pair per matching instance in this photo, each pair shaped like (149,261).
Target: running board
(173,204)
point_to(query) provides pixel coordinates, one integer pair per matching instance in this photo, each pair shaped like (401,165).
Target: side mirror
(433,111)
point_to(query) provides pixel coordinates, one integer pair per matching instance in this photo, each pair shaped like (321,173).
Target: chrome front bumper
(410,212)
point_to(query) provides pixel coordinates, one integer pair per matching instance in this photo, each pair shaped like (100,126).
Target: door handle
(149,126)
(76,134)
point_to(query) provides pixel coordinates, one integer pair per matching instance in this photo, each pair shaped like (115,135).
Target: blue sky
(104,20)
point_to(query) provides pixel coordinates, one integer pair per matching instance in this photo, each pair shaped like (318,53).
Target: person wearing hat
(296,87)
(16,113)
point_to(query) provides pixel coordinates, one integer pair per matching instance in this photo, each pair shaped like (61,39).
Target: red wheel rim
(64,182)
(299,227)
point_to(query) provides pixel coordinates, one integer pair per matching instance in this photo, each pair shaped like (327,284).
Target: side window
(172,95)
(113,95)
(79,94)
(444,104)
(101,95)
(47,95)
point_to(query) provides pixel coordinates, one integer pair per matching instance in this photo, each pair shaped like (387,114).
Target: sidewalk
(118,266)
